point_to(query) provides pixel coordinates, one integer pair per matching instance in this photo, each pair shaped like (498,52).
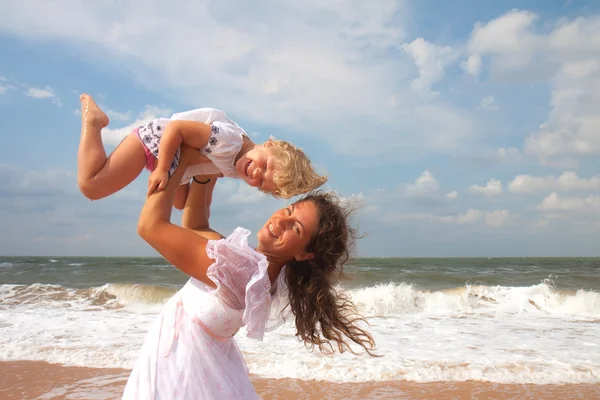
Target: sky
(463,128)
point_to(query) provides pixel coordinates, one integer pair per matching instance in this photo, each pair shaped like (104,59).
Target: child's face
(257,168)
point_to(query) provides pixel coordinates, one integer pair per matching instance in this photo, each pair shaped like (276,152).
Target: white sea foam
(97,388)
(502,334)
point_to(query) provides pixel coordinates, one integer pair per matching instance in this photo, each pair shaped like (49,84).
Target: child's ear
(268,143)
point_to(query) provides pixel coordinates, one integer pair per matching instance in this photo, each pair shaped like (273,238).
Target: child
(275,167)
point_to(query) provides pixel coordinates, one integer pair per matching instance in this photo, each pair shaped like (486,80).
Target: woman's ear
(304,256)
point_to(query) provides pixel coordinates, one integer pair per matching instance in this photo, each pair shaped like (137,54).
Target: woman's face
(287,233)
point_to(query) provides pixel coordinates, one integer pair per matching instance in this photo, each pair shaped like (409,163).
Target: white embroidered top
(223,145)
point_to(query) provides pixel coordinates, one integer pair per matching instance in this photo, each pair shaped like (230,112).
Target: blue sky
(466,128)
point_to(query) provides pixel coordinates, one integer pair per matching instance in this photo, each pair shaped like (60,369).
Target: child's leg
(97,175)
(181,196)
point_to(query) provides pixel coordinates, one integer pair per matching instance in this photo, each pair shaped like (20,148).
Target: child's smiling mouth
(248,168)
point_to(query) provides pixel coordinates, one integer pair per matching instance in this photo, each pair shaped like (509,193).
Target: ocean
(503,320)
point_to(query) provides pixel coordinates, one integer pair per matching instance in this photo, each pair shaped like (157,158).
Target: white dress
(222,149)
(189,352)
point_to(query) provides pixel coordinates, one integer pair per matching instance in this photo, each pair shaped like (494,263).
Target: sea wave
(533,334)
(373,301)
(108,296)
(401,299)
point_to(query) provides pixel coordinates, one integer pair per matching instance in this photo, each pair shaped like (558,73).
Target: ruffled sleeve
(242,280)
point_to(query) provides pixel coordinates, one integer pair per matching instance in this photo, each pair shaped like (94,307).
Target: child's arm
(194,134)
(191,133)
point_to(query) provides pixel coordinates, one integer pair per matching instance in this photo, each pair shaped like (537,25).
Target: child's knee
(89,190)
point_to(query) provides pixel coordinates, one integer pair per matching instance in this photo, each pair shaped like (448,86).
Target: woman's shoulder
(239,235)
(236,245)
(236,262)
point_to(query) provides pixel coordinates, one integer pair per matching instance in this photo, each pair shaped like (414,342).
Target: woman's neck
(274,269)
(275,264)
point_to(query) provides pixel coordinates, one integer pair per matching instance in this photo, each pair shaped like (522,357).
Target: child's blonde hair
(294,174)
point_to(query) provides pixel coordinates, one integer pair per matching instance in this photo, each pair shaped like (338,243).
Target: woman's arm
(180,246)
(196,212)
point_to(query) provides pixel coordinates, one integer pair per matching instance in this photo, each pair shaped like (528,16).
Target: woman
(189,352)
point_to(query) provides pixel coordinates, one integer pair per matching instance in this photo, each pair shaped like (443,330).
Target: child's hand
(157,181)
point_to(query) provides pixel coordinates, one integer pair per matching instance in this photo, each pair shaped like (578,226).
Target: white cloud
(489,103)
(567,181)
(238,192)
(573,125)
(566,51)
(493,219)
(509,33)
(555,203)
(473,65)
(353,202)
(30,183)
(496,218)
(115,115)
(451,195)
(114,136)
(319,69)
(531,184)
(470,217)
(425,185)
(45,93)
(492,188)
(431,60)
(38,93)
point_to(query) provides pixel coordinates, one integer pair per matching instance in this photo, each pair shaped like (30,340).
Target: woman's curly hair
(323,316)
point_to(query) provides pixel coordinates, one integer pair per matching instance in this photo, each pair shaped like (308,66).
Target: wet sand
(26,380)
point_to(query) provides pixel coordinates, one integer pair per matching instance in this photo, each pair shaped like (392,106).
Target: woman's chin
(263,238)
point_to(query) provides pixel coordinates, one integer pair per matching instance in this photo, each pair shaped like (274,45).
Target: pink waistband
(150,159)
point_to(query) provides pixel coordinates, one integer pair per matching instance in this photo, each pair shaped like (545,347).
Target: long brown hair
(323,316)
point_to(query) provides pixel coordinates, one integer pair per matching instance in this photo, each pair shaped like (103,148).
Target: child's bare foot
(91,114)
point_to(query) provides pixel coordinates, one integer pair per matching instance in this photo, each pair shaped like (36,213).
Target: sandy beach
(28,380)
